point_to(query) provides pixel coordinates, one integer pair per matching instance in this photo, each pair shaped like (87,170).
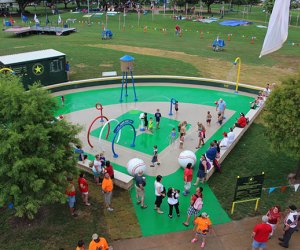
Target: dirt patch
(81,65)
(254,75)
(106,65)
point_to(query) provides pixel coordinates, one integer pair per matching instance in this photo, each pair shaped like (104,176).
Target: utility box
(45,66)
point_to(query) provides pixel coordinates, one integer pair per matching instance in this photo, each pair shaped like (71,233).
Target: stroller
(218,44)
(106,34)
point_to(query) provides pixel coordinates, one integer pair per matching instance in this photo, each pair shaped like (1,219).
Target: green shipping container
(45,66)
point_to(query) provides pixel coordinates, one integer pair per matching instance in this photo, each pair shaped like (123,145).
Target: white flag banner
(59,20)
(296,186)
(36,19)
(278,27)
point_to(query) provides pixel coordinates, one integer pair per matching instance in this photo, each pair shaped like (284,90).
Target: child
(154,157)
(157,118)
(62,100)
(181,140)
(220,119)
(102,160)
(176,106)
(208,118)
(146,121)
(201,134)
(173,135)
(150,125)
(202,226)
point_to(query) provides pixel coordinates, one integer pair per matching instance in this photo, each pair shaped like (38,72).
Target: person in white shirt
(224,142)
(159,193)
(230,136)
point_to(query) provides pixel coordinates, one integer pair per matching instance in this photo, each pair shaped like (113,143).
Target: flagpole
(106,19)
(124,19)
(119,22)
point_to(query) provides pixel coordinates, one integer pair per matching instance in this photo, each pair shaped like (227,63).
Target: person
(109,169)
(217,146)
(230,136)
(221,107)
(157,118)
(267,90)
(159,193)
(241,122)
(140,184)
(98,243)
(146,121)
(290,226)
(97,169)
(192,210)
(211,153)
(173,135)
(224,142)
(67,69)
(84,189)
(82,156)
(173,195)
(71,193)
(107,188)
(154,157)
(80,245)
(150,125)
(181,140)
(176,106)
(260,234)
(182,127)
(62,100)
(202,227)
(202,171)
(187,177)
(220,119)
(208,118)
(201,134)
(273,217)
(177,30)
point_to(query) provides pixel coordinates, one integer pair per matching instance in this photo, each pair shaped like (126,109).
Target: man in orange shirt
(98,243)
(107,188)
(202,226)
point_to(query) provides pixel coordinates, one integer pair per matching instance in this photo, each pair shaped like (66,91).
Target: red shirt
(242,121)
(83,185)
(188,175)
(70,190)
(110,170)
(273,217)
(262,232)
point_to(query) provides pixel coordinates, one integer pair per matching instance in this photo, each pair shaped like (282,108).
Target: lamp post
(239,61)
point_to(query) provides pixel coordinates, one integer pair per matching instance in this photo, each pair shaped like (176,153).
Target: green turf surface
(152,223)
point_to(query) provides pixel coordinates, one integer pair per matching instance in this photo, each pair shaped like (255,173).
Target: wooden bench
(109,73)
(238,132)
(121,180)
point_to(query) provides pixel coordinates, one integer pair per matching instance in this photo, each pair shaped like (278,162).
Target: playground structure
(172,102)
(98,107)
(239,61)
(127,67)
(218,44)
(107,34)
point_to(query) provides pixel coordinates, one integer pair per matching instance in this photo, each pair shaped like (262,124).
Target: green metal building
(45,66)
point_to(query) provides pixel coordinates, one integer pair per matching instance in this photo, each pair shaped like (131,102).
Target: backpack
(198,204)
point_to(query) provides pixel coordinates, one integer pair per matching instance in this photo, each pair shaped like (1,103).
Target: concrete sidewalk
(235,235)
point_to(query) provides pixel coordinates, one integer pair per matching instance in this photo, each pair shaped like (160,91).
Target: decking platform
(39,30)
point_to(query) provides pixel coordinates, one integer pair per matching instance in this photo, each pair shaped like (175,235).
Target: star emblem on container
(38,69)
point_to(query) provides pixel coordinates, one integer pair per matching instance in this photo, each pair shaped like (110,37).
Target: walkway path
(235,235)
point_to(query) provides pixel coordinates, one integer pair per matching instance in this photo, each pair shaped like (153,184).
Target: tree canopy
(282,116)
(35,149)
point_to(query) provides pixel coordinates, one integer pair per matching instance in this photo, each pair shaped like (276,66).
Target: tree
(23,4)
(282,117)
(35,149)
(208,3)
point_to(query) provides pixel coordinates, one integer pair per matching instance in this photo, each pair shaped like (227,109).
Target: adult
(290,226)
(191,210)
(224,142)
(84,189)
(273,217)
(109,169)
(97,168)
(82,156)
(71,193)
(230,136)
(107,188)
(140,184)
(80,245)
(98,243)
(159,193)
(202,171)
(177,29)
(221,107)
(157,118)
(187,177)
(211,153)
(241,122)
(173,195)
(267,90)
(67,69)
(260,234)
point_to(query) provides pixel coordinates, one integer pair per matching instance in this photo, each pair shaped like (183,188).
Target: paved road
(235,235)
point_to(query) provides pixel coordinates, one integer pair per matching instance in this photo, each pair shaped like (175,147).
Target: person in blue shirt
(211,153)
(157,118)
(67,69)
